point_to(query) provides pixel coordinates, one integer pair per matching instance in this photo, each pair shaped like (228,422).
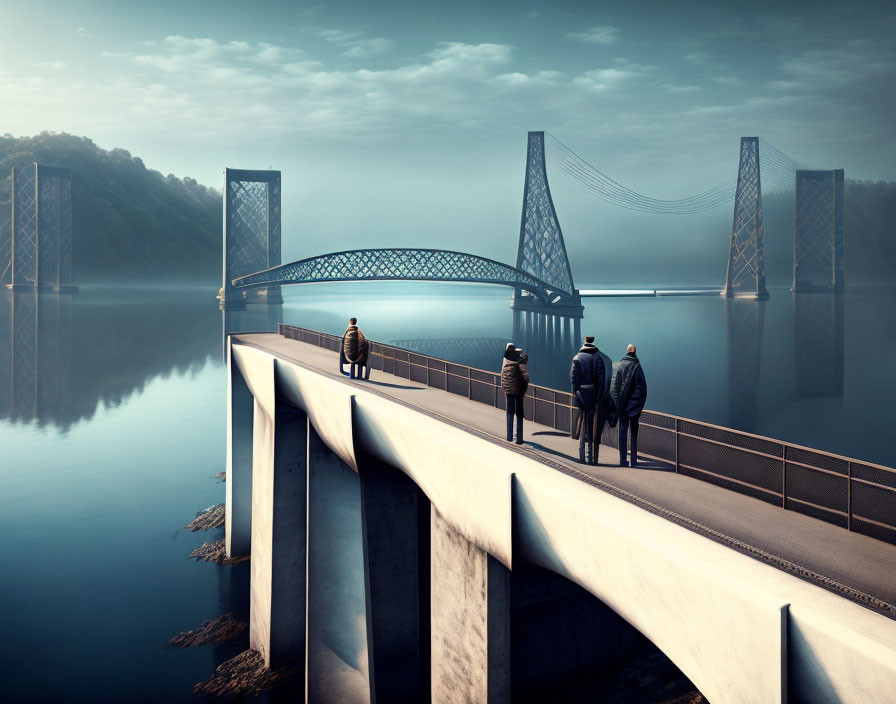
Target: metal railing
(856,495)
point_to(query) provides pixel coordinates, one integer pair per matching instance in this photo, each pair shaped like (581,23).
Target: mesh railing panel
(731,463)
(658,420)
(658,442)
(730,437)
(419,374)
(818,459)
(872,503)
(438,379)
(720,481)
(827,491)
(740,462)
(878,475)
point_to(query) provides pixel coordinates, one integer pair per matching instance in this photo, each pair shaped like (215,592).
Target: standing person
(629,389)
(588,378)
(514,381)
(354,346)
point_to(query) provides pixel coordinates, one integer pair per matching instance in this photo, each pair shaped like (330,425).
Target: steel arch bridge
(404,264)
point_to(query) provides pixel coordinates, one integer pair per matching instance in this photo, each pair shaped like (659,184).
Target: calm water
(112,423)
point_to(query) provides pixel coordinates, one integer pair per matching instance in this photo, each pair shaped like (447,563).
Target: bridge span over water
(407,264)
(403,551)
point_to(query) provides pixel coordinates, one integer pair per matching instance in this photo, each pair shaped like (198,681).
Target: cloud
(355,44)
(670,88)
(596,35)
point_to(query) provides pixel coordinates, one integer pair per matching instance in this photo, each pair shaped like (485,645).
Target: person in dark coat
(629,389)
(354,346)
(514,381)
(588,378)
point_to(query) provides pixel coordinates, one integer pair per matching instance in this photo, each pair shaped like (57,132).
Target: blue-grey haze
(403,124)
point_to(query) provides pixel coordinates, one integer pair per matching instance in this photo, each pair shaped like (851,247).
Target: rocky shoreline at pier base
(243,675)
(211,517)
(217,630)
(217,553)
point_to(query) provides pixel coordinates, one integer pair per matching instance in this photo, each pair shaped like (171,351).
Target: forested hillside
(134,224)
(129,223)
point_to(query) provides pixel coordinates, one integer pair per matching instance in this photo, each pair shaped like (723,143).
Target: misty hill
(129,223)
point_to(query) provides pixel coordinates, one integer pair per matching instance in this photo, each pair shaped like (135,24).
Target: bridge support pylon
(745,277)
(542,251)
(37,253)
(818,230)
(251,232)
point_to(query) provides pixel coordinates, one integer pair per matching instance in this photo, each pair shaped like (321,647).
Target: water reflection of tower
(35,356)
(745,320)
(551,341)
(818,326)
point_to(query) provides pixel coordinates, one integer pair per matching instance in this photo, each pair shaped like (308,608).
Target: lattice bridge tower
(251,232)
(746,259)
(542,251)
(36,249)
(818,231)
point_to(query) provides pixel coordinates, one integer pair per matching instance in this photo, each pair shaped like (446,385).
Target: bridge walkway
(855,566)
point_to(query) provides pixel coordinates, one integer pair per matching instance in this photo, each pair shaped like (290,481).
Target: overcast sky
(403,123)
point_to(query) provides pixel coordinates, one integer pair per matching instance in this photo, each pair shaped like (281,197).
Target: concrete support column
(516,327)
(396,559)
(558,337)
(530,329)
(336,661)
(277,584)
(577,333)
(470,620)
(238,491)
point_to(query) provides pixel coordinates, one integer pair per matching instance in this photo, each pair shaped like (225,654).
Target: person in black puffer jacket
(629,389)
(514,381)
(588,379)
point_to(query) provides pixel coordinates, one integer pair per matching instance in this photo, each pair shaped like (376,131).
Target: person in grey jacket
(629,389)
(514,381)
(588,378)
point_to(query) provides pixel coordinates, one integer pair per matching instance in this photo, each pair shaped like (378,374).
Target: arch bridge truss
(405,264)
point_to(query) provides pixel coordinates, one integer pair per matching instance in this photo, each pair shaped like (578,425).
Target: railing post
(427,372)
(469,382)
(784,476)
(849,496)
(676,445)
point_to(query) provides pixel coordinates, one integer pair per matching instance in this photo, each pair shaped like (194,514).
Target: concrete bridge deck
(854,566)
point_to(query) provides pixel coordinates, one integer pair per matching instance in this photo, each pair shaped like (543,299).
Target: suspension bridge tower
(542,253)
(746,260)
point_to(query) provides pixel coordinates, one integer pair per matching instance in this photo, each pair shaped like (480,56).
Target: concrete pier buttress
(240,412)
(277,585)
(470,620)
(336,661)
(396,561)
